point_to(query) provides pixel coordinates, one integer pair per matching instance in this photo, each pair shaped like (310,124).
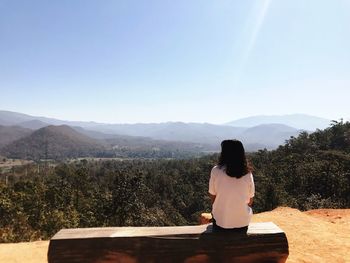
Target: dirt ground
(314,236)
(26,252)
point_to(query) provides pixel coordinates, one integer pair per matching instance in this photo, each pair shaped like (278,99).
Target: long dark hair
(233,159)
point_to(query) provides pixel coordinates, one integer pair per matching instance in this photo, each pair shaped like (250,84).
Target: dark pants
(216,228)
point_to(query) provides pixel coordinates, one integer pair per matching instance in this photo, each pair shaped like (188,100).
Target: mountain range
(26,136)
(300,121)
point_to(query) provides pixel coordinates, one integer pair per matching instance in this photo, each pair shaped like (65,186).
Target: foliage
(63,142)
(308,172)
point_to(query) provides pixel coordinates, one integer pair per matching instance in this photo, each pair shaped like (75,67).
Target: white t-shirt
(230,208)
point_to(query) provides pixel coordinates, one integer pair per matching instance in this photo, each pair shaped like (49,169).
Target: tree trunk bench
(264,242)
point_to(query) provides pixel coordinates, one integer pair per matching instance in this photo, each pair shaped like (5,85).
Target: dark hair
(233,159)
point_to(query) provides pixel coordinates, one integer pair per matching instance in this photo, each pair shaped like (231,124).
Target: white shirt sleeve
(212,189)
(251,186)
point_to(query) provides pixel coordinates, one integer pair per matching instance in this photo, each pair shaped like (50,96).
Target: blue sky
(193,60)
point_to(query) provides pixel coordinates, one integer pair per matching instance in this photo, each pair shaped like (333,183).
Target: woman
(231,188)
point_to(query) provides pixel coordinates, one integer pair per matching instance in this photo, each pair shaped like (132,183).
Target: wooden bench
(264,242)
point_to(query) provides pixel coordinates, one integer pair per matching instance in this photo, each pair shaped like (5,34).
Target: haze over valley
(24,136)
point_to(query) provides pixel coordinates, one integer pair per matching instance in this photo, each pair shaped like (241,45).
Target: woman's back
(232,196)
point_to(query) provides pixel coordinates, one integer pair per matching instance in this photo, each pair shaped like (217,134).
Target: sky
(130,61)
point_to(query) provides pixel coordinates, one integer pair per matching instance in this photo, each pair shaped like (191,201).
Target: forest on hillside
(309,171)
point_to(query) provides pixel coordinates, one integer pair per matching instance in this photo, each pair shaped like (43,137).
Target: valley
(38,138)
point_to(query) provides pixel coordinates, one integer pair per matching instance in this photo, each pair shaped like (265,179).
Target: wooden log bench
(264,242)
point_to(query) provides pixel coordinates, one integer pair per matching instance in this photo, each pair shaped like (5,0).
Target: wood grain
(264,242)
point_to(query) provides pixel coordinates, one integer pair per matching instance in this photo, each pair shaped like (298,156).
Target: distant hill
(5,123)
(174,131)
(93,134)
(62,142)
(298,121)
(270,135)
(129,141)
(10,134)
(203,135)
(33,124)
(15,118)
(53,142)
(262,136)
(145,147)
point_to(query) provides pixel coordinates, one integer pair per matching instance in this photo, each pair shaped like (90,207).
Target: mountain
(145,147)
(33,124)
(298,121)
(12,118)
(270,135)
(53,142)
(128,141)
(93,134)
(258,137)
(174,131)
(62,142)
(10,134)
(203,135)
(15,118)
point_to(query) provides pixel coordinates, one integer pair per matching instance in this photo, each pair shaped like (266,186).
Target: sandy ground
(27,252)
(314,236)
